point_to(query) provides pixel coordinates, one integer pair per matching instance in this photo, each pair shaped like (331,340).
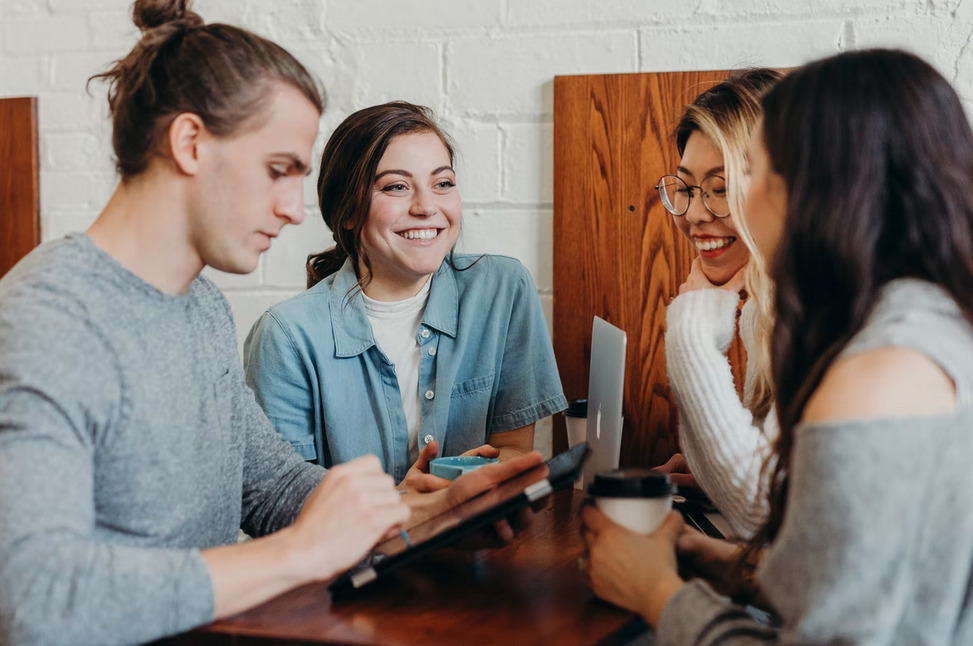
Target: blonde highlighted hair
(727,114)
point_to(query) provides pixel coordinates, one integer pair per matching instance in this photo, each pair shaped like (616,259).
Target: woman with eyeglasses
(724,441)
(859,201)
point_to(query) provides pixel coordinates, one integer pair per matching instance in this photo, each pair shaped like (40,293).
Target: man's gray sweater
(128,442)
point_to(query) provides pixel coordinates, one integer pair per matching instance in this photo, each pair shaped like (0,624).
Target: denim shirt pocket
(473,386)
(469,407)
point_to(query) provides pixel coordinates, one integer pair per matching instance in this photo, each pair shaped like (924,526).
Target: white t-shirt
(395,326)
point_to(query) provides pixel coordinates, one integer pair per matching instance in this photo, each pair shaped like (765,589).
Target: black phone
(448,527)
(694,513)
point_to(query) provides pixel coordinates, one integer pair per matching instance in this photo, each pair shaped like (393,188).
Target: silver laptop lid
(606,382)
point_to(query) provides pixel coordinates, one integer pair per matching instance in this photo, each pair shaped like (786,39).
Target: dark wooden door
(616,252)
(19,183)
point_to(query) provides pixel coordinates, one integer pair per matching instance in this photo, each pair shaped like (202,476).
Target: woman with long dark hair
(860,203)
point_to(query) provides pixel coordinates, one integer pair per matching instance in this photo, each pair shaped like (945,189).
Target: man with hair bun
(131,450)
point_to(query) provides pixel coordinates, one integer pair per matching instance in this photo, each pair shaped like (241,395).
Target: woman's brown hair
(347,174)
(221,73)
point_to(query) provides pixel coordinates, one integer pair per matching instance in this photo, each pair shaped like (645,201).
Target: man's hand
(355,505)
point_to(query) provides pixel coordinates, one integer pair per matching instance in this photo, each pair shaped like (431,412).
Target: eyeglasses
(676,195)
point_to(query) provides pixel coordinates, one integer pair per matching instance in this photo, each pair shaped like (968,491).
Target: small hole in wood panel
(631,208)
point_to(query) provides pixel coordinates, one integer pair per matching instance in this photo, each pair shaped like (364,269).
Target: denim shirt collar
(349,322)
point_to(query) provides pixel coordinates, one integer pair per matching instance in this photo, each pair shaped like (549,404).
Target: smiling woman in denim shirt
(400,347)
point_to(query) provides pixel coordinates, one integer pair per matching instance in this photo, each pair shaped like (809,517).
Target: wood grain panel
(19,183)
(617,254)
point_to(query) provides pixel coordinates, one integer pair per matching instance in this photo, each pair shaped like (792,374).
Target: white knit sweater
(723,446)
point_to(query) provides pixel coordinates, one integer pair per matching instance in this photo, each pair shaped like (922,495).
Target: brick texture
(485,67)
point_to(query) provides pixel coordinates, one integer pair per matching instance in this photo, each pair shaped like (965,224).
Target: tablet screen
(455,516)
(483,509)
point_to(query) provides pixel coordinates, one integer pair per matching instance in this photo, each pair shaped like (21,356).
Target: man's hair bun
(150,14)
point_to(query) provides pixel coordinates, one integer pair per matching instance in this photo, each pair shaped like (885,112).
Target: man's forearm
(246,574)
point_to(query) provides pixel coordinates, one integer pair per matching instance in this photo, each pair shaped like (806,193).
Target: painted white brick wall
(485,66)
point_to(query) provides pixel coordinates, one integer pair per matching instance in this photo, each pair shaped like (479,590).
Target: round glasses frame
(672,185)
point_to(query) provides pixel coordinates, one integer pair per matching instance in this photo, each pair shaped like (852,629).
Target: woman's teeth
(711,244)
(420,234)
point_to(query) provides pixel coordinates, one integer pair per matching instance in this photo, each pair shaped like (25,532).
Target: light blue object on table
(453,467)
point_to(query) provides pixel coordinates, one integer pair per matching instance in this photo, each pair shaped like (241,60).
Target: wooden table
(529,592)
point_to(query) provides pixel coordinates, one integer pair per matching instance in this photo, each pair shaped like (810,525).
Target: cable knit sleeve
(723,447)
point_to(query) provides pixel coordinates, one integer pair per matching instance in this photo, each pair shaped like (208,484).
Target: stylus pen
(404,534)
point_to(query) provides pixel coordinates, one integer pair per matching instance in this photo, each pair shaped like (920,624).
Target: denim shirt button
(432,351)
(430,394)
(427,439)
(424,333)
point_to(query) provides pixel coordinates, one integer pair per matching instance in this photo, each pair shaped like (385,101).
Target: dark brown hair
(876,153)
(347,175)
(221,73)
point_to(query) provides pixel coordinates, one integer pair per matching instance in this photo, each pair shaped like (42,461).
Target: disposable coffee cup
(576,421)
(638,499)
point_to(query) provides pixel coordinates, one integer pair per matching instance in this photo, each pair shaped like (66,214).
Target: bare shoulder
(887,382)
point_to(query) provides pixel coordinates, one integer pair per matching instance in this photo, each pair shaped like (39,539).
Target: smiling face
(766,202)
(414,218)
(251,184)
(721,252)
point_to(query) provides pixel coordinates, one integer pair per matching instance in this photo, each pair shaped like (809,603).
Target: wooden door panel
(616,252)
(19,184)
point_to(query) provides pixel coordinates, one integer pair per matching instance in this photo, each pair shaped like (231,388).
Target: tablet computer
(454,523)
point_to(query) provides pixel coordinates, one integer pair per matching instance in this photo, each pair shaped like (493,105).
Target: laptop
(606,383)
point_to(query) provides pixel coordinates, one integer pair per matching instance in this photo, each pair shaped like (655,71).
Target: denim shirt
(487,365)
